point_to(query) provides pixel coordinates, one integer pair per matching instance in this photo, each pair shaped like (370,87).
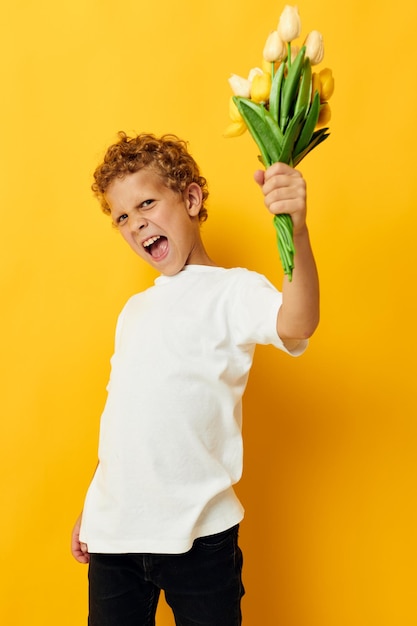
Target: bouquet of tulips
(284,105)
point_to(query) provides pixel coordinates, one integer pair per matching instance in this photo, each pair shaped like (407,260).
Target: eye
(146,204)
(121,219)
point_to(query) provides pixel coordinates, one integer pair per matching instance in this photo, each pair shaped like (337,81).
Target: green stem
(289,54)
(284,234)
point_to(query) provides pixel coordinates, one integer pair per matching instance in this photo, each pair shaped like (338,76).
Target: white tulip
(275,49)
(289,25)
(240,86)
(314,47)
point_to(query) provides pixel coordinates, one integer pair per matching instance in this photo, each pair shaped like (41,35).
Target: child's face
(159,224)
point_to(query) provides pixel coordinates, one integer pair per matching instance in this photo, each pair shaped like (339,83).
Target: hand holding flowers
(284,190)
(284,106)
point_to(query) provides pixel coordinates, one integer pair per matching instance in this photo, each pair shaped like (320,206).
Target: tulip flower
(234,114)
(240,86)
(260,87)
(274,49)
(284,107)
(326,84)
(289,25)
(324,115)
(238,125)
(314,47)
(267,67)
(315,84)
(255,71)
(235,129)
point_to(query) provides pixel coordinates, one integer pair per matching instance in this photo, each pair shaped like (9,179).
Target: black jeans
(203,586)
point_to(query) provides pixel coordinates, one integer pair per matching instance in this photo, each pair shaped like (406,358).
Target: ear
(193,197)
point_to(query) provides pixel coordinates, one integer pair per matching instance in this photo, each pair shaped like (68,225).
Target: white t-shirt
(170,439)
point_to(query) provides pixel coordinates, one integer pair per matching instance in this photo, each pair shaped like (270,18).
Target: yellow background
(330,464)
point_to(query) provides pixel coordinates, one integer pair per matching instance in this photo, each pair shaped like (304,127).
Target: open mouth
(156,246)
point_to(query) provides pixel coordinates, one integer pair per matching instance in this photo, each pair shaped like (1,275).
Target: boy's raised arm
(284,191)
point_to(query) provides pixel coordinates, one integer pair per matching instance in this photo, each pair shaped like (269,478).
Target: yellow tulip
(235,129)
(267,67)
(324,115)
(314,47)
(289,25)
(261,87)
(234,114)
(274,49)
(327,84)
(240,86)
(255,71)
(316,84)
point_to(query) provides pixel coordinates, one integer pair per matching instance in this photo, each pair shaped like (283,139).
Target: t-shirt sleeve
(256,310)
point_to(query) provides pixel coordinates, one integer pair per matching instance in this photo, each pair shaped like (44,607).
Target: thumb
(259,177)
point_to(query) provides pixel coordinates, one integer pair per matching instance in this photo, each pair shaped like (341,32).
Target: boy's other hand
(79,550)
(284,190)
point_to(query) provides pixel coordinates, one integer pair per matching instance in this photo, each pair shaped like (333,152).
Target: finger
(80,552)
(259,177)
(286,200)
(280,168)
(294,184)
(84,555)
(81,557)
(281,185)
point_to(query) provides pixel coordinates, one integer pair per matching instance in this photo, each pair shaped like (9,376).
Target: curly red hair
(166,155)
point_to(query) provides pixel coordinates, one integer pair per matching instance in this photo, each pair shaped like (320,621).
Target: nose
(139,222)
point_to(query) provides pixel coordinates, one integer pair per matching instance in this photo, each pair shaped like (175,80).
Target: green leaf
(275,93)
(290,136)
(275,130)
(318,137)
(256,125)
(290,87)
(304,92)
(309,125)
(264,127)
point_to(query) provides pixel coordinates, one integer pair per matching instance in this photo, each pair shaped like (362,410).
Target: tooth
(150,241)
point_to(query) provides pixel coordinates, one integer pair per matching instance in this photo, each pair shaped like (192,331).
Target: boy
(161,512)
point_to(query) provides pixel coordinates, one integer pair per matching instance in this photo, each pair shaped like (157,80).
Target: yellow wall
(330,465)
